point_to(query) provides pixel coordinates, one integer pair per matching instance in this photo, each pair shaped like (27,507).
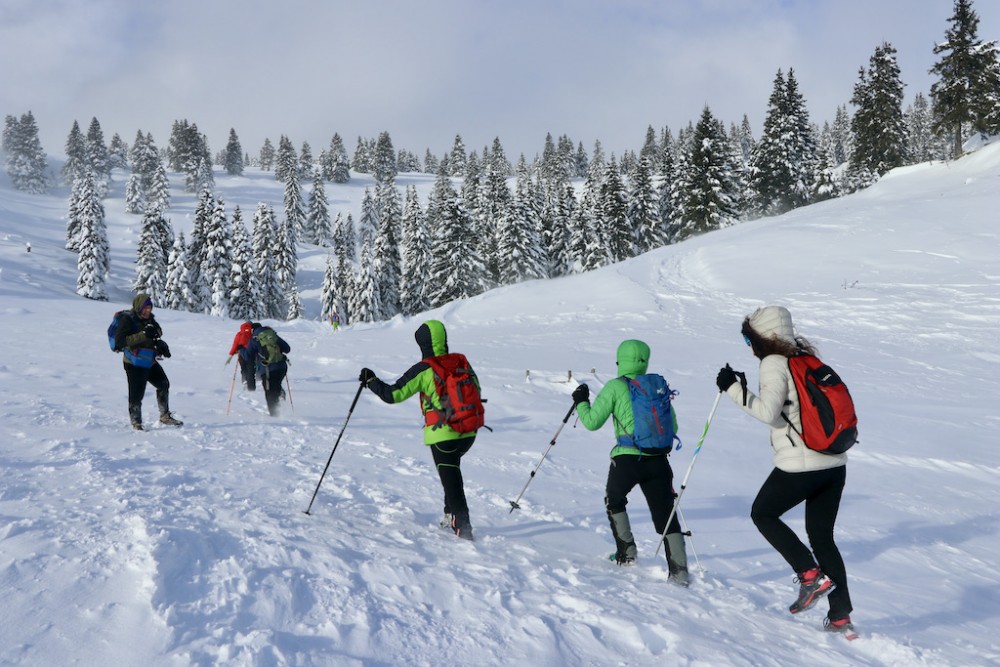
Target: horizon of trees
(569,210)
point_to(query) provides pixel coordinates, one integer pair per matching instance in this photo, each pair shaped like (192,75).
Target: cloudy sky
(426,70)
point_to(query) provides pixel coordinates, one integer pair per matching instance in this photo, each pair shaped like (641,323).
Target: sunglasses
(747,339)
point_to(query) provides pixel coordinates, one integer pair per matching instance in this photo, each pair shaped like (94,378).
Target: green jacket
(419,379)
(614,402)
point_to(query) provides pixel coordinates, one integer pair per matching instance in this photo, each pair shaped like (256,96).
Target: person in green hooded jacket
(631,467)
(447,445)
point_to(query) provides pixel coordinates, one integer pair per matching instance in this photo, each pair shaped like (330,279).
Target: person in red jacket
(239,347)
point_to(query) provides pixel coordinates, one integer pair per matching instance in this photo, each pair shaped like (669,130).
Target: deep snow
(190,546)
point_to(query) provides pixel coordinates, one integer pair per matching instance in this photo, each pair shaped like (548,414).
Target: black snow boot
(165,416)
(621,529)
(462,526)
(135,415)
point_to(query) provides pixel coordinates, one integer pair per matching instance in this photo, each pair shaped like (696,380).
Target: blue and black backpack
(652,414)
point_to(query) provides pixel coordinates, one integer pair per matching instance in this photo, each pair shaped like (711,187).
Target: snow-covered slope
(190,546)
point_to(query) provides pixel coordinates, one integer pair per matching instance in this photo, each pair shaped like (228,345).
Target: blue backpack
(142,357)
(652,414)
(113,328)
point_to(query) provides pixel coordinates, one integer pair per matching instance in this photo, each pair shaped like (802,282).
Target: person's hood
(773,322)
(140,301)
(432,339)
(246,328)
(633,358)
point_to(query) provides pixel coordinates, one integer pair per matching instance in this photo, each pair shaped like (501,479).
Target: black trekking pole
(342,428)
(513,503)
(694,457)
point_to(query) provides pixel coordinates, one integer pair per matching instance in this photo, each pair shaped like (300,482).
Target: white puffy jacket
(777,393)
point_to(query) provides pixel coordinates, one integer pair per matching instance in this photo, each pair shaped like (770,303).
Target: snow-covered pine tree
(387,242)
(708,183)
(267,156)
(175,290)
(494,203)
(118,152)
(158,193)
(330,294)
(345,277)
(306,165)
(965,96)
(244,295)
(337,166)
(457,159)
(922,144)
(263,241)
(295,214)
(98,157)
(150,261)
(345,241)
(76,155)
(369,222)
(878,125)
(218,263)
(457,271)
(232,162)
(135,202)
(286,262)
(519,243)
(416,256)
(367,301)
(644,208)
(94,260)
(319,213)
(383,160)
(613,207)
(25,160)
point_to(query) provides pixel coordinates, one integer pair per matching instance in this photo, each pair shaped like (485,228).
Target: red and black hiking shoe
(813,585)
(841,626)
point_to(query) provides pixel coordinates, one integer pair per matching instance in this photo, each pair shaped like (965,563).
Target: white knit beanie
(773,322)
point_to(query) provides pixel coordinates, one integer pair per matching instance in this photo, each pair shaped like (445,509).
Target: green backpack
(270,351)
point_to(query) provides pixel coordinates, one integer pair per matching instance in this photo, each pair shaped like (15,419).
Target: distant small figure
(335,320)
(27,247)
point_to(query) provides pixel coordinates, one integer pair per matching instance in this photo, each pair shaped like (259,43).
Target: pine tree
(344,239)
(244,295)
(495,200)
(175,291)
(644,208)
(416,256)
(457,271)
(966,92)
(218,263)
(305,160)
(93,262)
(76,155)
(118,152)
(158,193)
(318,219)
(267,156)
(295,215)
(150,262)
(783,163)
(337,167)
(878,125)
(383,160)
(25,160)
(331,299)
(134,200)
(387,244)
(98,158)
(286,263)
(265,233)
(458,158)
(519,242)
(361,161)
(707,180)
(233,160)
(613,208)
(367,298)
(369,222)
(922,144)
(345,275)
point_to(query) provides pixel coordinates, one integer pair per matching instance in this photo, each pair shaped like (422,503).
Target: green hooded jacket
(613,399)
(419,379)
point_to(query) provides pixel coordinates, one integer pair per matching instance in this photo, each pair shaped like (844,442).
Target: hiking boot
(135,415)
(677,560)
(842,626)
(813,585)
(621,530)
(168,419)
(461,526)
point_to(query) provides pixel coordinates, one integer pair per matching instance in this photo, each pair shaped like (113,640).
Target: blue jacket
(253,351)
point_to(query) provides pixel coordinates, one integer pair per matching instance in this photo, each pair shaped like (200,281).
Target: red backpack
(829,422)
(458,391)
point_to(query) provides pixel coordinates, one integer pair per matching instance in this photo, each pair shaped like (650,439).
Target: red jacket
(242,338)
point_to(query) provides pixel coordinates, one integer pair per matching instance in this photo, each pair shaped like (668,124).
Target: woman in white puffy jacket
(800,474)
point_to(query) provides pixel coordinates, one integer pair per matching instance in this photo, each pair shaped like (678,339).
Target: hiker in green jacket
(630,466)
(447,445)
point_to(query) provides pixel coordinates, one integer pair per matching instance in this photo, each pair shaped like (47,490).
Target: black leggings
(137,379)
(448,460)
(656,479)
(821,491)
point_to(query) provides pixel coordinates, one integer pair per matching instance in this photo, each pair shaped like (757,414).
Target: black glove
(726,378)
(152,330)
(581,394)
(162,349)
(366,376)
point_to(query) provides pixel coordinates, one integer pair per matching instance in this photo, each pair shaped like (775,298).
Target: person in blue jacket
(267,350)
